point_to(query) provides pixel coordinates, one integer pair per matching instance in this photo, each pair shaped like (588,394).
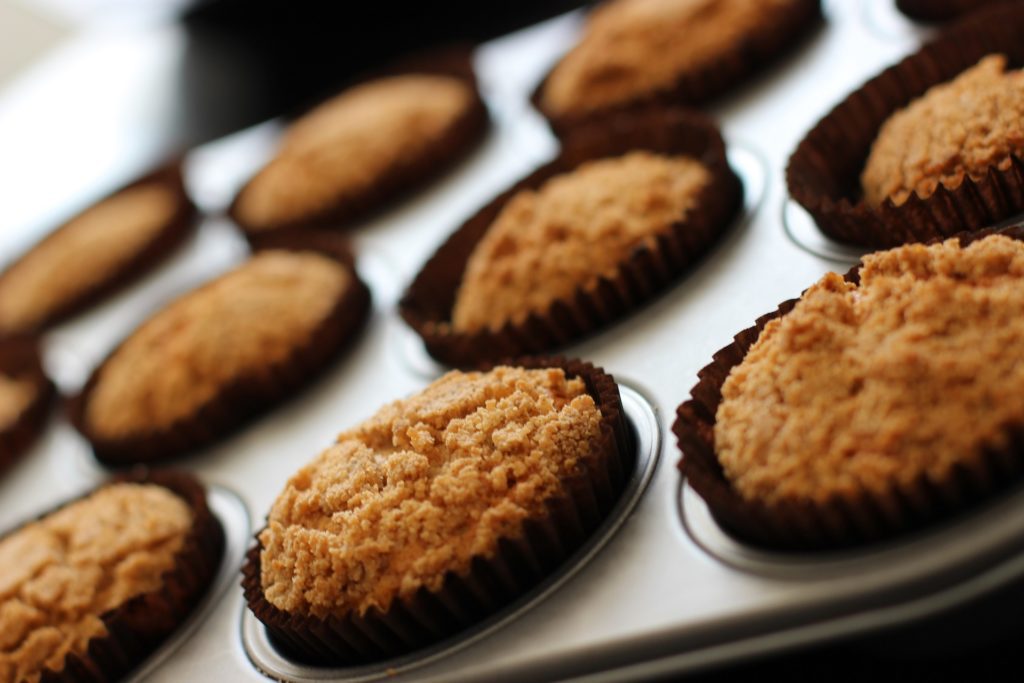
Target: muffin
(98,251)
(438,510)
(223,353)
(956,129)
(25,397)
(871,405)
(359,150)
(928,148)
(670,51)
(90,589)
(629,204)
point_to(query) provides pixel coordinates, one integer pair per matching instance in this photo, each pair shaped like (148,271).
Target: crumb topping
(422,487)
(84,253)
(243,323)
(956,129)
(578,227)
(16,395)
(58,575)
(634,48)
(867,388)
(350,143)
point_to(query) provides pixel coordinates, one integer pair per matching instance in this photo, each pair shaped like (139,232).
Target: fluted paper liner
(19,358)
(249,396)
(791,24)
(824,172)
(841,521)
(137,627)
(172,234)
(460,138)
(519,563)
(428,302)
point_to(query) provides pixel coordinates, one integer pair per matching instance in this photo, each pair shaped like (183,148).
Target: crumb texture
(866,389)
(578,227)
(351,143)
(86,252)
(422,487)
(60,574)
(632,49)
(955,130)
(16,395)
(245,323)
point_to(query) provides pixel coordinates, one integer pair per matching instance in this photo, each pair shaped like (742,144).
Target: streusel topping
(870,387)
(242,323)
(956,129)
(424,486)
(578,227)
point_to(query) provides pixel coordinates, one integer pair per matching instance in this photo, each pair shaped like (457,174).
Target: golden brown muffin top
(956,129)
(422,487)
(632,49)
(578,227)
(16,395)
(350,143)
(868,388)
(58,575)
(239,325)
(86,251)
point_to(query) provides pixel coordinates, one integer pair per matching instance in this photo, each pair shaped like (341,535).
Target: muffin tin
(661,589)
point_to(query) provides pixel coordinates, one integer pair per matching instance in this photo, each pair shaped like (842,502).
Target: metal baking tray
(662,590)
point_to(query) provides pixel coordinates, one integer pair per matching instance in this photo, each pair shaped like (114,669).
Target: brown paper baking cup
(137,627)
(19,358)
(428,302)
(518,564)
(939,10)
(841,521)
(789,26)
(460,138)
(247,397)
(824,171)
(171,235)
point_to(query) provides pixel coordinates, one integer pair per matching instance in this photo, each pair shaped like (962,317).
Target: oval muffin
(106,246)
(26,394)
(669,51)
(361,148)
(630,203)
(872,404)
(438,510)
(90,589)
(222,353)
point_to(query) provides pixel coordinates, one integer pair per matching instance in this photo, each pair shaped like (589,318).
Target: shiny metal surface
(660,596)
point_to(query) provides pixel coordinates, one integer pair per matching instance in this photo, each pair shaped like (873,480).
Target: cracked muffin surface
(957,129)
(60,574)
(869,387)
(422,487)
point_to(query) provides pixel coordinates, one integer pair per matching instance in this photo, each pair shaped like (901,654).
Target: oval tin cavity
(647,434)
(804,233)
